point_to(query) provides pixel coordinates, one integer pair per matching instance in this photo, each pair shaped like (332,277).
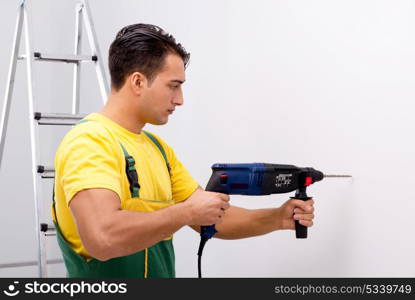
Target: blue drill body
(260,179)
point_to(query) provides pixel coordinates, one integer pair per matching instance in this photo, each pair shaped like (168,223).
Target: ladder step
(68,58)
(49,230)
(44,227)
(57,119)
(46,172)
(28,263)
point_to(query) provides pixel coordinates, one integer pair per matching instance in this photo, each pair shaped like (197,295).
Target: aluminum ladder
(39,172)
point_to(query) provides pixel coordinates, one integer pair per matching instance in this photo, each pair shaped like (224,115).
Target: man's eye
(174,86)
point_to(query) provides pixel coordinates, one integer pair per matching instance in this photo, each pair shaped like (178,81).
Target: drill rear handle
(300,230)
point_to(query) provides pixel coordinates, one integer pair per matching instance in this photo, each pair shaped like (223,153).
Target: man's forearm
(129,232)
(241,223)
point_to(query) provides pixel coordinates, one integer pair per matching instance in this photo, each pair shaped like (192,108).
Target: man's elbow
(99,247)
(100,255)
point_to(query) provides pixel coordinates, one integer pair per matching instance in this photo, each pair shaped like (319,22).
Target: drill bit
(337,176)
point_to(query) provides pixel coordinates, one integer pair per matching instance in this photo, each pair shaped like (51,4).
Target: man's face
(165,92)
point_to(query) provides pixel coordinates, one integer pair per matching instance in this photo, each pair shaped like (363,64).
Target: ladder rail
(10,79)
(77,67)
(34,137)
(93,42)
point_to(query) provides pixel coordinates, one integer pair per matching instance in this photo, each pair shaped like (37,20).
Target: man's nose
(178,99)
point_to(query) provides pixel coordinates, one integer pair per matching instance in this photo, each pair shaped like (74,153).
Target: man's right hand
(206,208)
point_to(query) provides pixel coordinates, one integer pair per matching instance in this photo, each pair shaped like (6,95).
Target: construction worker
(121,192)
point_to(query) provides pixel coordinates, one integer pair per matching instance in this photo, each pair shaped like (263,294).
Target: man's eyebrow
(178,81)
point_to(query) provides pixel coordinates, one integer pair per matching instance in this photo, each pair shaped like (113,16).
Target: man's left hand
(295,209)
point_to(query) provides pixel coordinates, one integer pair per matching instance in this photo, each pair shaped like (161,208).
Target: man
(121,192)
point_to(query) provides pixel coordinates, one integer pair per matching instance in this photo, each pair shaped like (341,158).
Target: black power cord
(202,243)
(206,232)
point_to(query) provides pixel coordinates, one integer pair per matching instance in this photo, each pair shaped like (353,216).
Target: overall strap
(130,165)
(131,173)
(157,143)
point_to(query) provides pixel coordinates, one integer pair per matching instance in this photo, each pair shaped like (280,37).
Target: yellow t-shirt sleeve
(182,183)
(88,161)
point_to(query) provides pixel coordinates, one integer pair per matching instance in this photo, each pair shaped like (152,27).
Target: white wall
(326,84)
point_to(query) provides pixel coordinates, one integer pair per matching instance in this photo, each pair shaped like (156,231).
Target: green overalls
(155,261)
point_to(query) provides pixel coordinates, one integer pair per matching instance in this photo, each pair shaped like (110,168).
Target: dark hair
(141,48)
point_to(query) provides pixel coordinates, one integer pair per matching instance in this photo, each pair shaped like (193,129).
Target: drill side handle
(300,230)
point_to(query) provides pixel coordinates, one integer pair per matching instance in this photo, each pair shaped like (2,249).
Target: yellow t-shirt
(90,156)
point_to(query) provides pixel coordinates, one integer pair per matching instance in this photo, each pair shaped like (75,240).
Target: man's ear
(137,82)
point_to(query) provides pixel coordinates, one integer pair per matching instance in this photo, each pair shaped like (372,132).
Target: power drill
(260,179)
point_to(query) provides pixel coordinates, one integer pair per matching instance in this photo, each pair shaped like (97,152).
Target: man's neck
(118,110)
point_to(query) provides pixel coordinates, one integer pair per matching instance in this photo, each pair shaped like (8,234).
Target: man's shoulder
(85,132)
